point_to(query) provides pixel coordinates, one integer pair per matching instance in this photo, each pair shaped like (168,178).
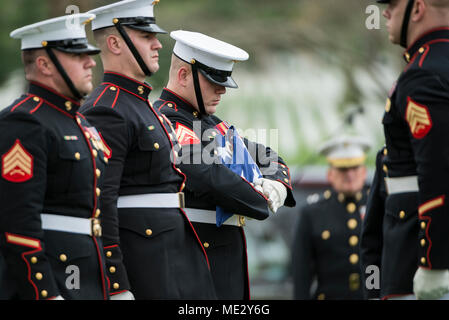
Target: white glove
(127,295)
(275,191)
(430,284)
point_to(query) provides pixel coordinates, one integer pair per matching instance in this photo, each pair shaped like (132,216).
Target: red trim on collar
(117,86)
(58,109)
(54,91)
(179,97)
(423,35)
(122,75)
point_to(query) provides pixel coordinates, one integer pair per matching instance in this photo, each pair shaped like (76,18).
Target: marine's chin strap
(76,94)
(196,84)
(405,23)
(131,47)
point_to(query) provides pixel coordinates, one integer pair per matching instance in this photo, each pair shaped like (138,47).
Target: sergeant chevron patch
(17,164)
(418,118)
(185,135)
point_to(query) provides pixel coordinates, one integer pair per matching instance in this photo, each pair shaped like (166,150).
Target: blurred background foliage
(283,38)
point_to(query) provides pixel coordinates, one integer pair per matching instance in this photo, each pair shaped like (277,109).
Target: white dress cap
(127,9)
(67,27)
(345,151)
(206,50)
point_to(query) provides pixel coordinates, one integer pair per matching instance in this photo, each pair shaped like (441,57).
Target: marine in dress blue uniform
(52,170)
(152,250)
(413,255)
(325,251)
(210,184)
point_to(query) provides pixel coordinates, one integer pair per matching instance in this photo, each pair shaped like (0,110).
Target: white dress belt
(152,200)
(402,184)
(209,216)
(62,223)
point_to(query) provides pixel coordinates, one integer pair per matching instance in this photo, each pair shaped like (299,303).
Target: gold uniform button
(108,254)
(354,258)
(148,232)
(206,245)
(341,197)
(423,242)
(170,105)
(39,276)
(354,281)
(352,224)
(350,207)
(402,214)
(151,128)
(98,173)
(95,153)
(321,296)
(116,286)
(112,269)
(423,225)
(325,234)
(105,159)
(77,156)
(286,180)
(140,89)
(407,56)
(68,105)
(112,88)
(388,105)
(284,172)
(423,260)
(98,191)
(97,213)
(36,99)
(327,194)
(44,293)
(353,241)
(33,260)
(421,50)
(385,152)
(156,146)
(358,196)
(63,257)
(195,114)
(385,168)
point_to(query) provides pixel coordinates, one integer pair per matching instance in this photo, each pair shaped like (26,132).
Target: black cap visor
(89,49)
(222,80)
(153,28)
(77,46)
(146,24)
